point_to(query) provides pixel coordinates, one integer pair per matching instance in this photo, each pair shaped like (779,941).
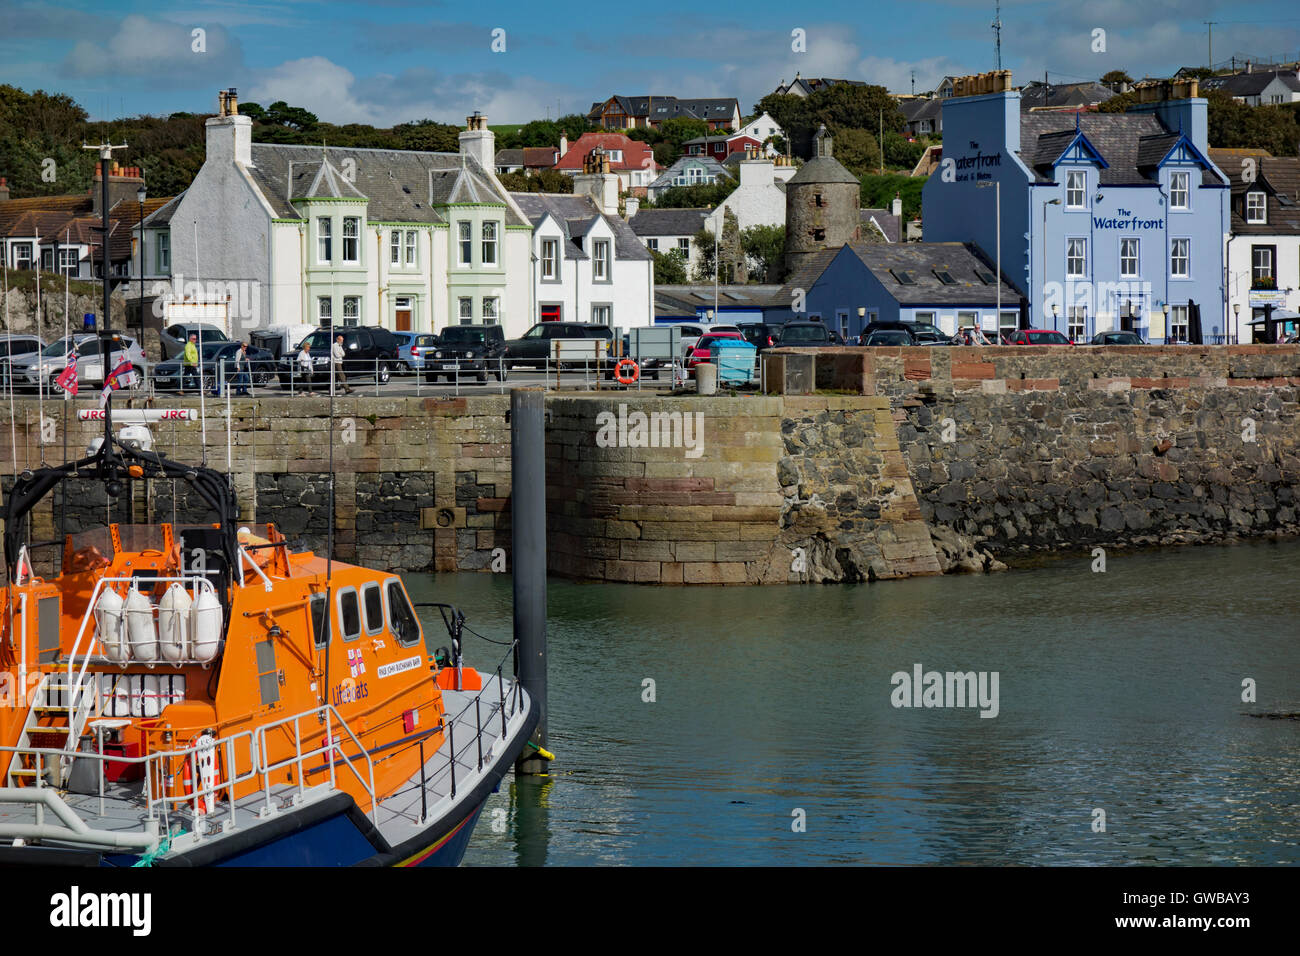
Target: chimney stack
(479,142)
(122,184)
(597,181)
(4,189)
(896,208)
(229,136)
(564,145)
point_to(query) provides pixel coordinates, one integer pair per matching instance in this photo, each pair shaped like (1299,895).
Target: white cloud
(142,46)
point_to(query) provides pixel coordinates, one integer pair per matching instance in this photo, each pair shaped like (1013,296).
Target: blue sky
(389,61)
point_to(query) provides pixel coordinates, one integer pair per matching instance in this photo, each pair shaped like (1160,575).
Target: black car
(534,347)
(174,338)
(761,335)
(804,335)
(922,333)
(369,352)
(214,359)
(888,337)
(466,350)
(1117,338)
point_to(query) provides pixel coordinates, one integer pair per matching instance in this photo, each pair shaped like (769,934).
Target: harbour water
(1118,692)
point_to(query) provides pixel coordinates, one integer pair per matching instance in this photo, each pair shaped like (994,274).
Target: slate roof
(670,107)
(162,216)
(576,214)
(804,277)
(540,157)
(711,167)
(914,111)
(1279,179)
(400,185)
(686,299)
(1251,84)
(921,260)
(1125,140)
(822,169)
(811,84)
(1064,95)
(668,222)
(510,157)
(882,220)
(71,219)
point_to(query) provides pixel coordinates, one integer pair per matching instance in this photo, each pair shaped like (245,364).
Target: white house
(1264,247)
(686,171)
(325,234)
(759,199)
(1258,87)
(763,128)
(670,230)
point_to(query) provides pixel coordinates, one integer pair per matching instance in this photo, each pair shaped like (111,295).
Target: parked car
(922,333)
(30,371)
(888,337)
(466,350)
(533,348)
(804,335)
(761,335)
(690,335)
(369,352)
(174,337)
(1036,337)
(15,346)
(1117,338)
(213,358)
(279,340)
(411,346)
(701,351)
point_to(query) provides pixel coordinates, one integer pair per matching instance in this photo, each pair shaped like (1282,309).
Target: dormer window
(1076,189)
(1255,208)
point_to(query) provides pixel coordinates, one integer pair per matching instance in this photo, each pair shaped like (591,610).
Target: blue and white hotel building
(1109,220)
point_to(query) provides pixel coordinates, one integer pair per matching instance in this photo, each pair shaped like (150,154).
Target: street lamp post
(1165,309)
(1050,202)
(997,201)
(140,196)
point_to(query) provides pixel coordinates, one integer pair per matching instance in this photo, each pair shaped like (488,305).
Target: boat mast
(105,157)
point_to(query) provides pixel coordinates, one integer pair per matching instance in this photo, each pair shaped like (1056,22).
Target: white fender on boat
(108,624)
(151,696)
(139,626)
(174,623)
(205,626)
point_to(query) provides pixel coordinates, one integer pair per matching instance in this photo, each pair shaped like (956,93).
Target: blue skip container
(736,360)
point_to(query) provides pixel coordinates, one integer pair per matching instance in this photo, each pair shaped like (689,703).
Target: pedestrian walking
(190,364)
(243,370)
(336,365)
(305,366)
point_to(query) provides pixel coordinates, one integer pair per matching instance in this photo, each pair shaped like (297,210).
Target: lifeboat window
(401,619)
(349,614)
(318,606)
(374,601)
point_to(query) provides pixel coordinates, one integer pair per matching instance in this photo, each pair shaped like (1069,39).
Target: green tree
(1116,79)
(670,267)
(1234,125)
(857,151)
(427,136)
(541,181)
(901,154)
(764,246)
(878,192)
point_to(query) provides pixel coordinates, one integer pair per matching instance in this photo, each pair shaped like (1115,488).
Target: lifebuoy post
(528,530)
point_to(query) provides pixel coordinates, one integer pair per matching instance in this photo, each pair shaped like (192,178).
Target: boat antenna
(40,379)
(67,397)
(105,157)
(13,418)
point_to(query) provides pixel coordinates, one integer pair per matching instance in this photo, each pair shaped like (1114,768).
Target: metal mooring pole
(528,524)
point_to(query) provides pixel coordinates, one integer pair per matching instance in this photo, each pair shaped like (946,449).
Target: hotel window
(1180,258)
(1255,208)
(325,310)
(490,304)
(489,243)
(1076,186)
(395,247)
(602,314)
(466,310)
(351,239)
(1178,190)
(600,260)
(1177,324)
(1128,258)
(1261,267)
(1076,258)
(1077,329)
(411,246)
(351,310)
(164,241)
(551,259)
(324,241)
(465,232)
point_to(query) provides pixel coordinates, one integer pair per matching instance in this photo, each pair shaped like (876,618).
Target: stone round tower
(822,202)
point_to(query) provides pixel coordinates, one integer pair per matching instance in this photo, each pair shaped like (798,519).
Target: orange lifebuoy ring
(618,371)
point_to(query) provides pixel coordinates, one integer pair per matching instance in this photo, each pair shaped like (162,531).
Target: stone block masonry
(953,459)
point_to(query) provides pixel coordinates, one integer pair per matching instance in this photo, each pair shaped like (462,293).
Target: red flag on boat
(121,377)
(67,379)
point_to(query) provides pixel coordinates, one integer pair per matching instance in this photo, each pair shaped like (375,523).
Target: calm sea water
(1118,692)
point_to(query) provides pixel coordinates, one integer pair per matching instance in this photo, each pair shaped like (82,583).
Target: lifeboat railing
(191,582)
(330,750)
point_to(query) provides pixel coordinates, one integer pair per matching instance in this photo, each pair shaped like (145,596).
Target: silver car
(36,371)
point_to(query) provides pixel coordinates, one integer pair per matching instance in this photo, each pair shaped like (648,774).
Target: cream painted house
(316,235)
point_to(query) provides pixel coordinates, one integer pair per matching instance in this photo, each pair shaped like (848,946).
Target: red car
(1035,337)
(700,353)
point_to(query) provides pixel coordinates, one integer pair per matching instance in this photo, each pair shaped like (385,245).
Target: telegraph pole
(1209,43)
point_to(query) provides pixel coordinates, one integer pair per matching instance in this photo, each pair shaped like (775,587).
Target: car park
(473,350)
(1036,337)
(410,350)
(700,353)
(174,337)
(39,370)
(17,346)
(804,335)
(922,333)
(761,335)
(216,362)
(1117,338)
(888,337)
(534,348)
(369,353)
